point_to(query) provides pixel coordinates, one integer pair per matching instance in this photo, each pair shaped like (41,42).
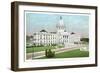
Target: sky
(35,22)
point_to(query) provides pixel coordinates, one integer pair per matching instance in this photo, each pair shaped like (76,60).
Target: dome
(60,23)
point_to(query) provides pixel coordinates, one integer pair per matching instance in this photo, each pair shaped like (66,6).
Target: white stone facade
(44,38)
(59,37)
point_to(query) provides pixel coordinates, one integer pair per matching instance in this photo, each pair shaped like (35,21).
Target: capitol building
(60,37)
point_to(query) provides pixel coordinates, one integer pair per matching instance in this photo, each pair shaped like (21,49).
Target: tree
(85,39)
(49,53)
(28,38)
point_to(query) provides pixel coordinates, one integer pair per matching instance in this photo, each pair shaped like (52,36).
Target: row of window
(44,41)
(44,37)
(50,41)
(64,37)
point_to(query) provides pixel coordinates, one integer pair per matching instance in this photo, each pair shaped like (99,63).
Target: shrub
(49,53)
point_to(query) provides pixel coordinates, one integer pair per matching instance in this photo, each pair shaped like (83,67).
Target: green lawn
(60,46)
(37,49)
(74,53)
(70,54)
